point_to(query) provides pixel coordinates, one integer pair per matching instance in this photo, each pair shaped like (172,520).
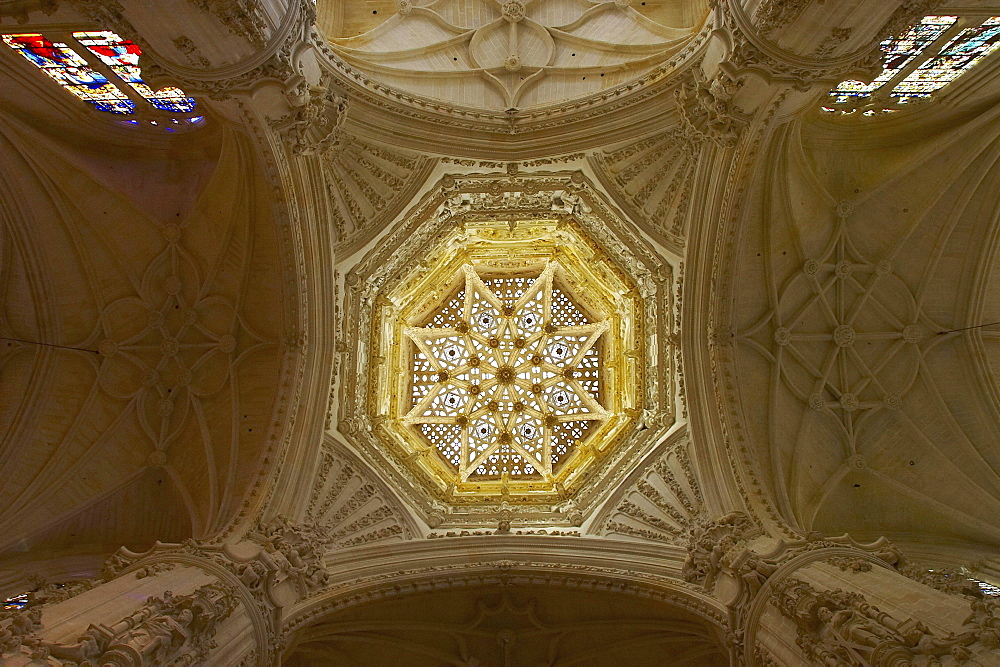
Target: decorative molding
(520,623)
(360,590)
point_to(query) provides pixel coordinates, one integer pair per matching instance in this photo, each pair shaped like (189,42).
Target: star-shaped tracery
(507,376)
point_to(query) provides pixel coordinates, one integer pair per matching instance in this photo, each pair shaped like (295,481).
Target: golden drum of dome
(508,363)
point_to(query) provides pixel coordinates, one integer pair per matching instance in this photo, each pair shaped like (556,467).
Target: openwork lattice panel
(506,376)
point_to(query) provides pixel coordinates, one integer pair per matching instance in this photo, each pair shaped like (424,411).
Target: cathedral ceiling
(168,346)
(144,310)
(863,249)
(512,625)
(497,55)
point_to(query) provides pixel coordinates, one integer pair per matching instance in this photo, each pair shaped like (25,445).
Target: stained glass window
(897,54)
(924,59)
(122,56)
(95,73)
(960,54)
(506,376)
(71,71)
(16,602)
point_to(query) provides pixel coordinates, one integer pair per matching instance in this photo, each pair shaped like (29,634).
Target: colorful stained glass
(898,53)
(16,603)
(71,71)
(122,56)
(958,56)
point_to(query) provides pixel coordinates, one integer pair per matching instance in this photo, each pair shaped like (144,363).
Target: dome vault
(510,361)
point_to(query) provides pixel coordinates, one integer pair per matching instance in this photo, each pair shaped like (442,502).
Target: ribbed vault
(144,315)
(509,625)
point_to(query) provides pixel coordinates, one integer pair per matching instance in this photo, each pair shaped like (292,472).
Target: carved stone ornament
(244,18)
(287,552)
(707,110)
(773,14)
(635,172)
(287,566)
(708,542)
(774,64)
(837,627)
(315,127)
(661,505)
(168,629)
(296,549)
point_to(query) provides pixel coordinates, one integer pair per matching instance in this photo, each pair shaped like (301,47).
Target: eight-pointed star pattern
(512,375)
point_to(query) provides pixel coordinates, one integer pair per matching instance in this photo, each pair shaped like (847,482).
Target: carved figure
(852,626)
(156,637)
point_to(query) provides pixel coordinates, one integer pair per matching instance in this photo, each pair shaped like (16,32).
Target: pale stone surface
(200,337)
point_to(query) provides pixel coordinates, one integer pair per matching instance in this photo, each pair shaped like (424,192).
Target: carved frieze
(168,629)
(842,627)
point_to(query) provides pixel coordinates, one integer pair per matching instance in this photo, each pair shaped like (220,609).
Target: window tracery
(506,376)
(96,72)
(916,64)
